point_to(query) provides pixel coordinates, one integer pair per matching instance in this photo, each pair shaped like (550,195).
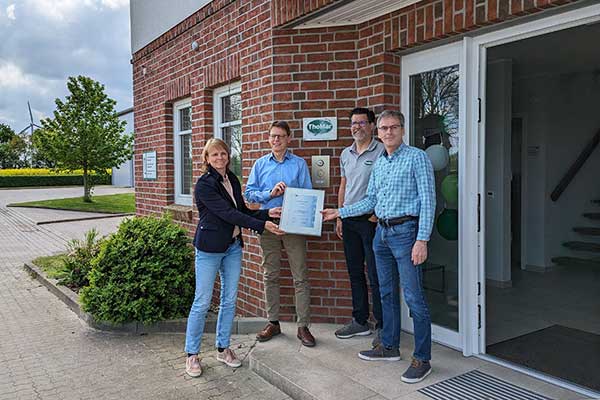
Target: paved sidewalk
(332,370)
(46,352)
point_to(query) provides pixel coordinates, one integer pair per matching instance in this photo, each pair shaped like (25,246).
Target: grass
(112,203)
(51,265)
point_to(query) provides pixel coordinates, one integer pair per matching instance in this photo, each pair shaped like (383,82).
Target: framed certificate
(301,212)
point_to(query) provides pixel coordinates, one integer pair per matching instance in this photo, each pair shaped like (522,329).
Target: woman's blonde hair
(211,144)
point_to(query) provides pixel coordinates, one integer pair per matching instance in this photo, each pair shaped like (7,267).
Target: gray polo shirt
(356,168)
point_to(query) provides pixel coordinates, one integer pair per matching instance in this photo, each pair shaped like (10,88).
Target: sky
(43,42)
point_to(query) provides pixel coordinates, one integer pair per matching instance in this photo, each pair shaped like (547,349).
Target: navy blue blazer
(218,213)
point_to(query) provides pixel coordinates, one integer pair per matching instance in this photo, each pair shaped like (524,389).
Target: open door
(432,87)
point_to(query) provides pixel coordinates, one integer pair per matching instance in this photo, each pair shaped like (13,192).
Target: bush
(50,180)
(22,177)
(143,273)
(78,261)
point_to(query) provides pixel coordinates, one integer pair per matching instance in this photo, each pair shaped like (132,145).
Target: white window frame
(181,199)
(218,94)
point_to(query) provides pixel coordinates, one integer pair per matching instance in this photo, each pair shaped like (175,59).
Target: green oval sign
(319,126)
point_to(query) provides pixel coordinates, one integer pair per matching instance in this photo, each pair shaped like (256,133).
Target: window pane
(232,107)
(233,137)
(185,119)
(434,128)
(186,164)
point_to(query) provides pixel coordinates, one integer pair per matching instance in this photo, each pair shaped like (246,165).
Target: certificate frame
(301,211)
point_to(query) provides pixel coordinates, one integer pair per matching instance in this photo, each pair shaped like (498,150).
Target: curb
(57,221)
(278,380)
(82,218)
(240,326)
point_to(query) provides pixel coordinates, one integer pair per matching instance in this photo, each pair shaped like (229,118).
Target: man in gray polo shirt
(357,233)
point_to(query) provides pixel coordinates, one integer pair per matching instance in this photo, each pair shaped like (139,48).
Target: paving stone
(46,352)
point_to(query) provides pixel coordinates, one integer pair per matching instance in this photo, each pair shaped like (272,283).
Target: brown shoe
(268,332)
(306,337)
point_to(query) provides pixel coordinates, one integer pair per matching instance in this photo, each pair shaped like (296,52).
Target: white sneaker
(229,358)
(192,366)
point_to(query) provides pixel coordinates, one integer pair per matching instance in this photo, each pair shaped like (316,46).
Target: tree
(85,132)
(12,148)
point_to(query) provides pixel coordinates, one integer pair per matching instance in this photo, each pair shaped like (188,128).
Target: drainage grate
(476,385)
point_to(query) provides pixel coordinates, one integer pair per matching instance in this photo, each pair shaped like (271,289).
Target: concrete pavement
(332,370)
(46,352)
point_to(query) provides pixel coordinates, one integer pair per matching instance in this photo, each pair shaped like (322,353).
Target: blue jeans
(393,248)
(358,233)
(229,265)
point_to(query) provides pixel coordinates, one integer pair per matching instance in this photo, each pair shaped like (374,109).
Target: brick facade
(285,74)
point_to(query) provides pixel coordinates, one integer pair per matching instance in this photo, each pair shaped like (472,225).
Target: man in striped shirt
(401,191)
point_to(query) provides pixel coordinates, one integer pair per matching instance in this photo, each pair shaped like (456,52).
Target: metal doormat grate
(476,385)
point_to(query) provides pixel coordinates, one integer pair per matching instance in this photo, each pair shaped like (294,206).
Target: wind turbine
(31,125)
(28,137)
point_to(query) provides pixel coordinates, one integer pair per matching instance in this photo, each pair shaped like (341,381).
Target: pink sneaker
(192,366)
(228,357)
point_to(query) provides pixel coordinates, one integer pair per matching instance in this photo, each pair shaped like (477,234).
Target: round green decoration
(450,188)
(447,224)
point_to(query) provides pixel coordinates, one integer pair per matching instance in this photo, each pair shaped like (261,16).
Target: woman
(218,243)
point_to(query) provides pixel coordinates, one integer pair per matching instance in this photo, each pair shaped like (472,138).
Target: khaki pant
(295,246)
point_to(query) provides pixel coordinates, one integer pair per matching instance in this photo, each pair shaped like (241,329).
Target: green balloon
(450,188)
(447,224)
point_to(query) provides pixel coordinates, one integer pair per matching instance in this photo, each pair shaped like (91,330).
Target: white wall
(562,115)
(498,171)
(123,175)
(152,18)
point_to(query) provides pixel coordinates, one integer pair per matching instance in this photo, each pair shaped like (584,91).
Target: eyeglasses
(384,128)
(362,124)
(280,137)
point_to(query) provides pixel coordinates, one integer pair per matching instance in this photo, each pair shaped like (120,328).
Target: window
(182,121)
(228,122)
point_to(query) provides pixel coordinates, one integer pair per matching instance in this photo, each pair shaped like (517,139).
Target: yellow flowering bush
(40,172)
(24,177)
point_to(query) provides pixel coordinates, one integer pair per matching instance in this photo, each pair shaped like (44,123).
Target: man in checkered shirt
(401,191)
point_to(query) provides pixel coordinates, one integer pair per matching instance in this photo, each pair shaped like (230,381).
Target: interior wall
(498,170)
(562,116)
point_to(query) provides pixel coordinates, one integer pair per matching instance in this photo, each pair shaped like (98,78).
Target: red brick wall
(284,11)
(427,20)
(285,74)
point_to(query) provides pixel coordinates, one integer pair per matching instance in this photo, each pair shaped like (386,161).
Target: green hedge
(51,180)
(144,272)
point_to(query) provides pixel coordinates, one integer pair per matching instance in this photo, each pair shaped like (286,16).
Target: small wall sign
(149,165)
(320,128)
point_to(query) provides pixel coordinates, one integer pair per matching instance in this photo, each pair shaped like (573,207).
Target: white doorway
(539,306)
(433,105)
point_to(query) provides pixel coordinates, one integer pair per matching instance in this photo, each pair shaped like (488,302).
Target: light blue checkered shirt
(267,172)
(400,184)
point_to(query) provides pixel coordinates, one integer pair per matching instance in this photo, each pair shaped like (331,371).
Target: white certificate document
(301,212)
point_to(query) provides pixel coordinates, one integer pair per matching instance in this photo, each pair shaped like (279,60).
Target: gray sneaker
(353,329)
(417,371)
(377,339)
(380,353)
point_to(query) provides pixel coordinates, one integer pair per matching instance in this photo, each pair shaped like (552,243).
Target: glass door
(431,101)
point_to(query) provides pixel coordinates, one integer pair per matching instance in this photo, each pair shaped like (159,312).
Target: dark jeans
(358,235)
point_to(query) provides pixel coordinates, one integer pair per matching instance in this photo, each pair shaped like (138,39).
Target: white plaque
(149,165)
(301,212)
(320,128)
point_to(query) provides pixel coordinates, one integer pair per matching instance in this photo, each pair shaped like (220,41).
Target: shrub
(43,171)
(78,261)
(50,180)
(143,273)
(22,177)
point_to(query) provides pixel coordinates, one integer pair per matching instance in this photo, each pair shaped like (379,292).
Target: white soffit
(353,13)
